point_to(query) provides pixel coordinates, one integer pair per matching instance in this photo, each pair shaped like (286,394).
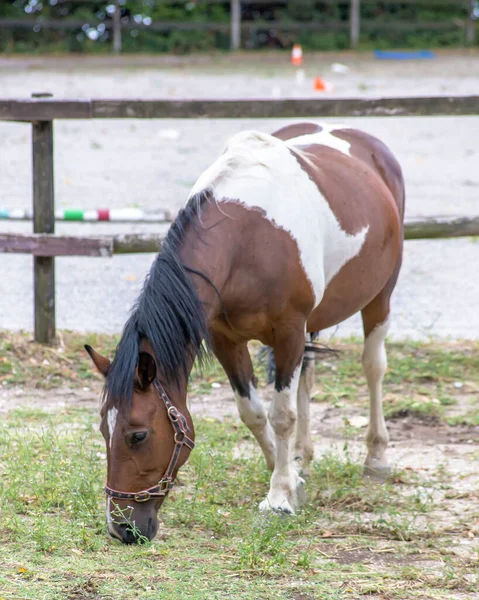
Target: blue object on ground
(403,54)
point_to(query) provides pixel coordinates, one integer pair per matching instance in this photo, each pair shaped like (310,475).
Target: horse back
(359,144)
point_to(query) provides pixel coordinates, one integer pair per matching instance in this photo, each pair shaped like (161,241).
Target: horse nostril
(128,536)
(151,528)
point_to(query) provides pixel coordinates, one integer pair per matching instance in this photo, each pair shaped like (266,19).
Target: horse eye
(138,436)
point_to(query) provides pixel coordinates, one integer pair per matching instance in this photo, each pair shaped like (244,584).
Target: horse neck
(207,269)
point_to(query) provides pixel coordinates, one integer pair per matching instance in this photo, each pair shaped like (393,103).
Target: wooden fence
(41,112)
(237,27)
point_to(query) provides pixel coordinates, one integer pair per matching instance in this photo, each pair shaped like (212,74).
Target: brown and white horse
(283,235)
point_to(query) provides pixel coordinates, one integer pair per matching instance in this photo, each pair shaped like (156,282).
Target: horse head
(147,440)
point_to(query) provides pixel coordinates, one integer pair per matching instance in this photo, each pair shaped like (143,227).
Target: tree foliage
(90,24)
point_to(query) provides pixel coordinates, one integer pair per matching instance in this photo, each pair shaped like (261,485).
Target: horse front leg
(236,361)
(285,485)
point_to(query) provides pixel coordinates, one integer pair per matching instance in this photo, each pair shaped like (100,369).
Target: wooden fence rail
(41,112)
(50,245)
(32,110)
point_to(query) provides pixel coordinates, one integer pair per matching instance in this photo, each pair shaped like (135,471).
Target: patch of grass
(447,401)
(421,407)
(443,370)
(28,414)
(213,542)
(470,418)
(432,363)
(23,362)
(353,538)
(422,380)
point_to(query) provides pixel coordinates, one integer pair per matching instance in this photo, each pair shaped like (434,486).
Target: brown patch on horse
(379,158)
(263,257)
(292,131)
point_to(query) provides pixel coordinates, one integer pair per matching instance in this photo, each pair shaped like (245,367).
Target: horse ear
(146,370)
(101,362)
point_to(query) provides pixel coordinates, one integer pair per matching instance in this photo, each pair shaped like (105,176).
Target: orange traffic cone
(297,55)
(319,84)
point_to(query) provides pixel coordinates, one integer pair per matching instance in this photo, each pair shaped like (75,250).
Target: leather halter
(161,489)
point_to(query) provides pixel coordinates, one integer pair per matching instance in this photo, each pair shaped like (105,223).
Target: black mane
(167,313)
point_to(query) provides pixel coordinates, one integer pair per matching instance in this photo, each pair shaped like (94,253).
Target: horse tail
(311,348)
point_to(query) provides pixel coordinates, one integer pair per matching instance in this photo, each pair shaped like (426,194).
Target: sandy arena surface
(152,164)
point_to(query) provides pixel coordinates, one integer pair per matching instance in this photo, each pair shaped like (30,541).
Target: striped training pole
(118,215)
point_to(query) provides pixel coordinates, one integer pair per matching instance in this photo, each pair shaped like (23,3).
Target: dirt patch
(50,400)
(414,445)
(329,421)
(351,557)
(84,591)
(431,433)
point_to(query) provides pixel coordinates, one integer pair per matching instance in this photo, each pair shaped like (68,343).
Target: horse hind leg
(375,318)
(303,446)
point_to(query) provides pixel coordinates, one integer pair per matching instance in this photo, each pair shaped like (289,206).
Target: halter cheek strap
(180,428)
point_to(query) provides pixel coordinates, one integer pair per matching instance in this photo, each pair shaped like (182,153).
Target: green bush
(380,25)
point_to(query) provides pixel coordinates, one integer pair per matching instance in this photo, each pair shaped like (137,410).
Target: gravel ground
(152,164)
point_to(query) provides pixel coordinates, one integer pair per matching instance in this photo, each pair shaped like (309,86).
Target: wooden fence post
(470,23)
(354,22)
(117,28)
(43,222)
(235,24)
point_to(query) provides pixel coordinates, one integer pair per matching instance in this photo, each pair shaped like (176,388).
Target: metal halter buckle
(173,414)
(142,496)
(164,485)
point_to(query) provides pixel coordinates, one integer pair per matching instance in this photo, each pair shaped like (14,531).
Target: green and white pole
(117,215)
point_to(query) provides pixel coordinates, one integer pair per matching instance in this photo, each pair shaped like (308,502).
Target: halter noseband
(161,489)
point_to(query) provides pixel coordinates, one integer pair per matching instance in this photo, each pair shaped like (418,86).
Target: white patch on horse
(253,415)
(108,511)
(111,420)
(109,520)
(260,171)
(285,480)
(325,137)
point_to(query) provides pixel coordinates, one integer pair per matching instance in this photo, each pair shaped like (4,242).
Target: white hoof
(284,498)
(377,468)
(278,505)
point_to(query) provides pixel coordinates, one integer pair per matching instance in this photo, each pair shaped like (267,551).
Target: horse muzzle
(132,524)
